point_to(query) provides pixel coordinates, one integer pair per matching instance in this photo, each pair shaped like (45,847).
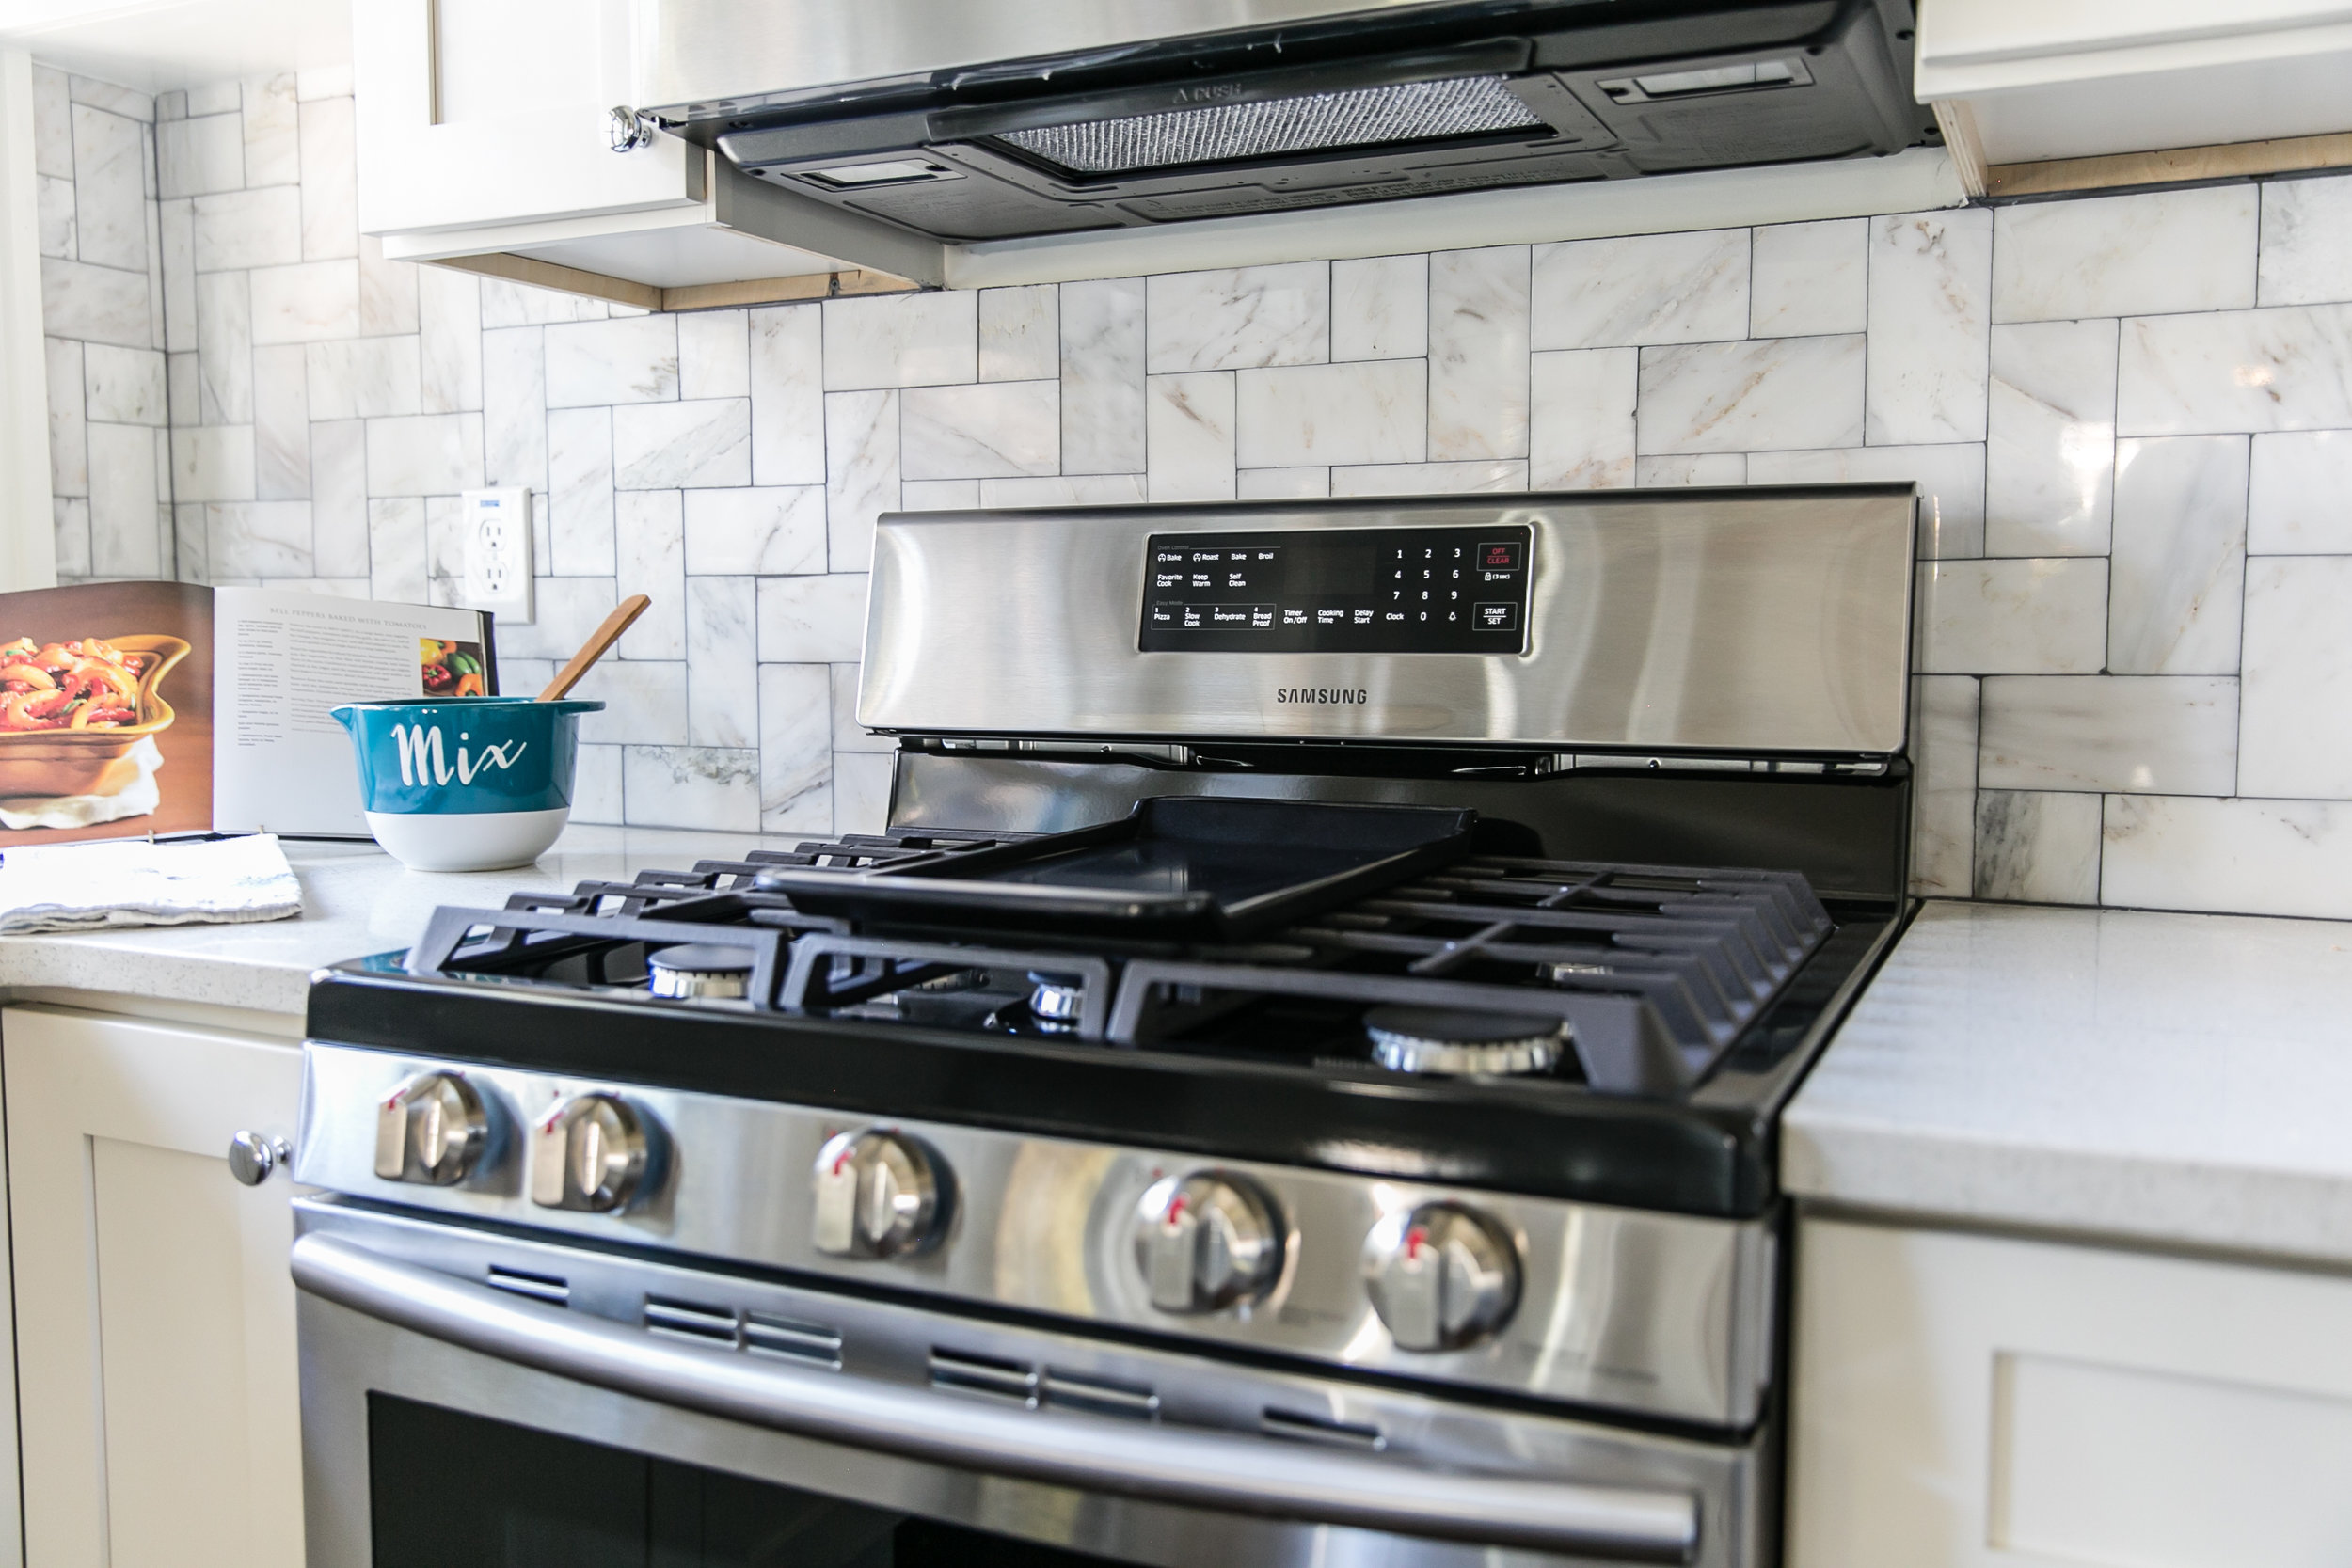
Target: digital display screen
(1422,590)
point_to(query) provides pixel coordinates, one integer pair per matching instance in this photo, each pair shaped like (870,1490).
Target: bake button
(1495,617)
(1501,557)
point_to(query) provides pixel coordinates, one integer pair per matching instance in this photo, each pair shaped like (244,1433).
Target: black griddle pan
(1175,868)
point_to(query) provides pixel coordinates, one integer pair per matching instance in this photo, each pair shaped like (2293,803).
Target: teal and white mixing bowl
(466,784)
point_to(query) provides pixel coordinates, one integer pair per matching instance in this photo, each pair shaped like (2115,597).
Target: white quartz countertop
(2181,1078)
(355,900)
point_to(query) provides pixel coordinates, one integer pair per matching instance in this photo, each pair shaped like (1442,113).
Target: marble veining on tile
(1380,308)
(1810,280)
(2295,735)
(2045,616)
(902,340)
(1644,289)
(1020,333)
(1581,432)
(796,748)
(989,430)
(1373,412)
(1757,396)
(1241,318)
(659,446)
(2306,241)
(2050,439)
(1189,437)
(2168,734)
(769,531)
(1102,376)
(1478,344)
(1944,710)
(2142,254)
(2283,369)
(2036,847)
(1929,280)
(2180,556)
(861,472)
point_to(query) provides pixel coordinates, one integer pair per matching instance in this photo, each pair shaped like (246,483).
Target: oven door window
(449,1490)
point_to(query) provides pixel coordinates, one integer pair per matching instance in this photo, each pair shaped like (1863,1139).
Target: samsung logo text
(1323,695)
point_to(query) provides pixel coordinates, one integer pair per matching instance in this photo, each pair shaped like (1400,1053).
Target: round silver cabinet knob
(589,1152)
(1441,1277)
(1206,1242)
(431,1130)
(252,1156)
(879,1194)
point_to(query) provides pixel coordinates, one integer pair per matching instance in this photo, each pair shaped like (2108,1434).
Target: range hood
(970,121)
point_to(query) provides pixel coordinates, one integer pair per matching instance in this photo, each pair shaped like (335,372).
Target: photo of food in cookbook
(453,669)
(105,712)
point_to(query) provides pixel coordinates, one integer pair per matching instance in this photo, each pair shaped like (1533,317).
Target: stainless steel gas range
(1295,1085)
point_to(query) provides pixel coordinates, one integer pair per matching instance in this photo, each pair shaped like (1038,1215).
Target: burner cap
(1445,1040)
(701,969)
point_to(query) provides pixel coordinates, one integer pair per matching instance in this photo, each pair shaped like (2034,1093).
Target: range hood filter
(1225,132)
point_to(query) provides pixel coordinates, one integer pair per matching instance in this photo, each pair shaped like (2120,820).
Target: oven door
(471,1400)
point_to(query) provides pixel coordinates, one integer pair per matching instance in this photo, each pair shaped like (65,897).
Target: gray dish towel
(87,887)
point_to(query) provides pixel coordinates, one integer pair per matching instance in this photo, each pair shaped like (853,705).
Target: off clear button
(1495,617)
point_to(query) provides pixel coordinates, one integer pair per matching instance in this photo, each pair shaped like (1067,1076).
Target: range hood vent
(945,119)
(1227,132)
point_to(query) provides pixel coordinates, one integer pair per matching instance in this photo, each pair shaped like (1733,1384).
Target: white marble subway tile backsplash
(2129,417)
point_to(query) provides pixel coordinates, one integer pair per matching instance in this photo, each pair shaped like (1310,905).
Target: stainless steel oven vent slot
(793,1341)
(984,1374)
(1359,117)
(1308,1428)
(1100,1397)
(685,1319)
(538,1286)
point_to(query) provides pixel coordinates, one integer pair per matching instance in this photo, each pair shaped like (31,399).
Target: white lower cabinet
(1975,1399)
(157,1403)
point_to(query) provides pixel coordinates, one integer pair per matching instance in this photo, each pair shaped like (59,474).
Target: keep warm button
(1495,617)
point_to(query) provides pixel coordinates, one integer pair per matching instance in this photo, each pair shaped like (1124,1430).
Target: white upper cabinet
(2077,78)
(480,112)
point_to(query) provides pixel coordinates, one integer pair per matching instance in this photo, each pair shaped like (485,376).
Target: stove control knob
(879,1194)
(1441,1277)
(589,1152)
(431,1130)
(1207,1242)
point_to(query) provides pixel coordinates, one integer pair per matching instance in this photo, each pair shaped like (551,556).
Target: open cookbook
(131,708)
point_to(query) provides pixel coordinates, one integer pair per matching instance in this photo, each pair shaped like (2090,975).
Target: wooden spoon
(623,615)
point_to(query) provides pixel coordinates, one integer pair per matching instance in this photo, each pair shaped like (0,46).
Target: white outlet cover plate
(497,565)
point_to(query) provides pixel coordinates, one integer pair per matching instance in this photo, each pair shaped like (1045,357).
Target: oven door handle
(1197,1468)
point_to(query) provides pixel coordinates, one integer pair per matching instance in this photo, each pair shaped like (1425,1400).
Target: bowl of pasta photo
(72,712)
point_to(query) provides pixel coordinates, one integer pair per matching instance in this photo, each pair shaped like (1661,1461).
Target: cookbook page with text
(284,658)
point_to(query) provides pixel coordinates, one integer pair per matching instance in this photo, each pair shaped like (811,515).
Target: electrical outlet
(497,552)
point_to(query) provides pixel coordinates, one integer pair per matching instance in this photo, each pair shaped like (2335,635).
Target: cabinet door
(473,112)
(1977,1401)
(156,1377)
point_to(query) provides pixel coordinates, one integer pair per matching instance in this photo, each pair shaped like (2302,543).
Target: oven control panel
(1338,591)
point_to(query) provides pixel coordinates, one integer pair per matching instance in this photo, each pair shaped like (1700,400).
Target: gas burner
(701,969)
(1457,1044)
